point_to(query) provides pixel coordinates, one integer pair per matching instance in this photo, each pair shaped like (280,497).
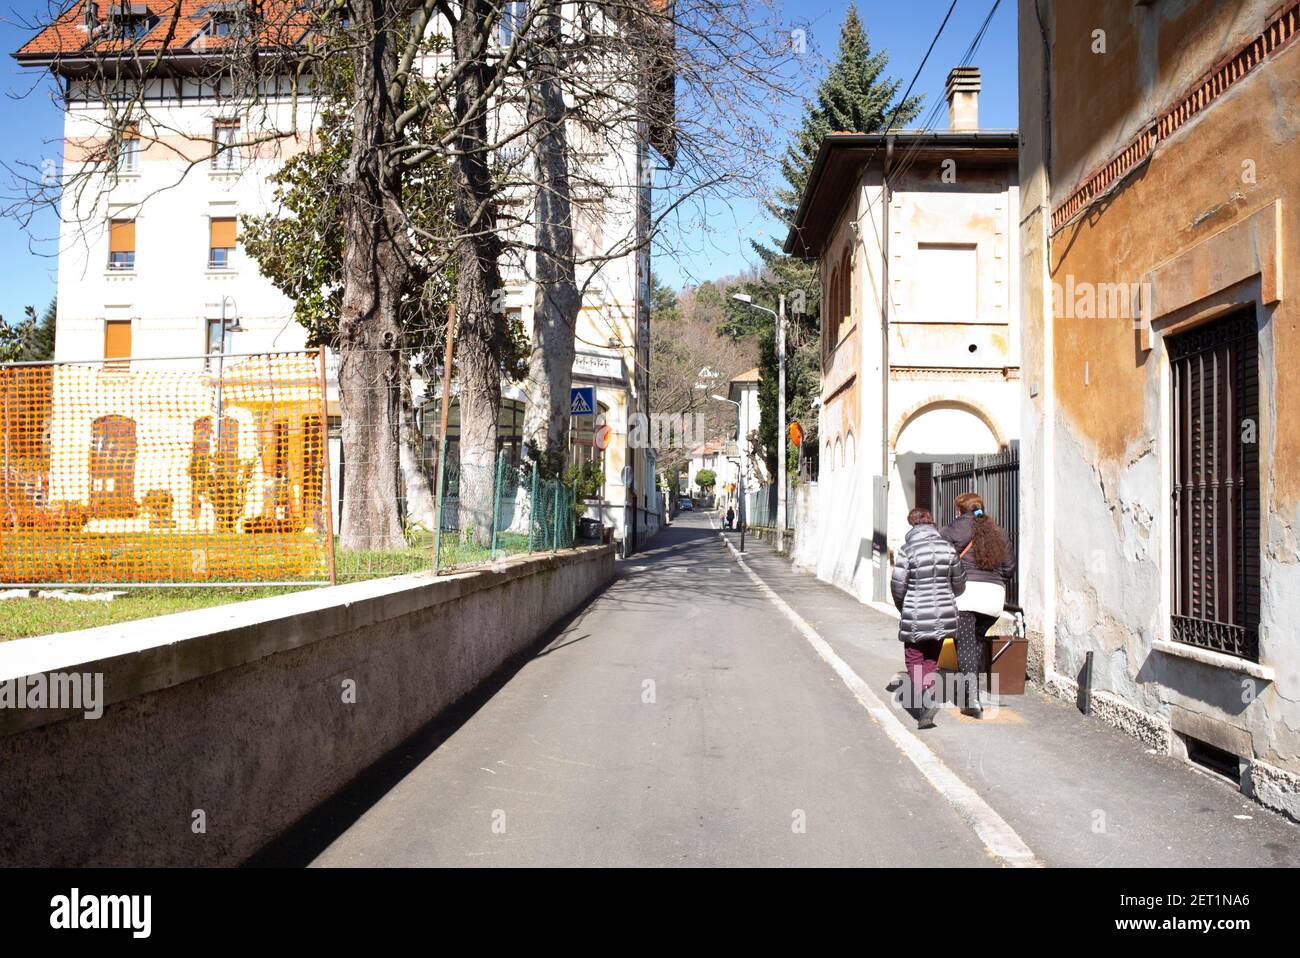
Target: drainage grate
(1214,759)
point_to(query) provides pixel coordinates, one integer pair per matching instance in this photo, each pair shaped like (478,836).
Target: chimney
(963,91)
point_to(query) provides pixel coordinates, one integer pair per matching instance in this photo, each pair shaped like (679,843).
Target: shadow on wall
(1226,693)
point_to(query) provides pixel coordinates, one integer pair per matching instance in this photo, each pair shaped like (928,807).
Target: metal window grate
(1216,487)
(996,478)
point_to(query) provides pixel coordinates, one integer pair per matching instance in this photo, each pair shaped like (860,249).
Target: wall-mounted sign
(591,364)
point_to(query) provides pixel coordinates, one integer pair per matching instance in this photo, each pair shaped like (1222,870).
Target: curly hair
(988,546)
(920,517)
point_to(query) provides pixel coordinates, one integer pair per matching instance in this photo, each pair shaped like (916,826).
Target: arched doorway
(943,431)
(112,468)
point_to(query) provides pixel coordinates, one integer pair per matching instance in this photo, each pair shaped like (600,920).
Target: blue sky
(33,131)
(902,28)
(32,126)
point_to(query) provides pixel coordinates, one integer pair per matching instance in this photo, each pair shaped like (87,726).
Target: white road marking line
(998,837)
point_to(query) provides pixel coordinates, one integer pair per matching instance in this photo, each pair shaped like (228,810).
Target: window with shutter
(221,242)
(121,244)
(1216,486)
(832,311)
(923,490)
(117,342)
(844,318)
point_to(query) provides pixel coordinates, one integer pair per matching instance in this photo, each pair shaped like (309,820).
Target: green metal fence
(484,516)
(761,508)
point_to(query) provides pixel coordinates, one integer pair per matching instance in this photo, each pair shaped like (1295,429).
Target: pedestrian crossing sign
(582,401)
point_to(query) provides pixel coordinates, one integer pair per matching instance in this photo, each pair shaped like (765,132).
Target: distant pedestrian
(731,517)
(927,579)
(989,563)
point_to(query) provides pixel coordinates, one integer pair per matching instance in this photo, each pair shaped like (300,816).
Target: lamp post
(221,356)
(779,316)
(740,470)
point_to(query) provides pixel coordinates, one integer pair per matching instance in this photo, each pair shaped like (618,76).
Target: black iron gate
(996,479)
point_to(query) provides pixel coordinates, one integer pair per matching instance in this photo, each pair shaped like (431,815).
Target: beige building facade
(1161,472)
(915,234)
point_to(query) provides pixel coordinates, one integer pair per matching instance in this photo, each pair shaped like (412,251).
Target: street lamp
(779,316)
(740,469)
(221,354)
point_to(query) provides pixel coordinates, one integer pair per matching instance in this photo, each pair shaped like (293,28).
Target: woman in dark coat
(927,579)
(988,561)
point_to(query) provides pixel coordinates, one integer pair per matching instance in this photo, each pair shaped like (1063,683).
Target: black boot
(971,698)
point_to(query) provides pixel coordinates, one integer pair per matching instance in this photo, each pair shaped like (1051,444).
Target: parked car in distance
(685,505)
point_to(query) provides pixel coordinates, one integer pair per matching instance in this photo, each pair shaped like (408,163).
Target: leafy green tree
(298,246)
(14,336)
(30,339)
(855,97)
(706,479)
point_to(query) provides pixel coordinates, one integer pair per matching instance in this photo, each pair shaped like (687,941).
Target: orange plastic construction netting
(166,471)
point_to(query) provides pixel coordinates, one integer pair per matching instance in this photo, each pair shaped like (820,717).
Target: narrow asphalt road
(680,720)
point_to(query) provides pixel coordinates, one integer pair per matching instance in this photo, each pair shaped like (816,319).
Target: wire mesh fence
(485,515)
(241,469)
(197,471)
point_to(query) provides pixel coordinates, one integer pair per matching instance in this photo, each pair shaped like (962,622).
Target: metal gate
(996,479)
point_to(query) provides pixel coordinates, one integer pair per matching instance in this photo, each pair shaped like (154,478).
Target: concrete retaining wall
(238,717)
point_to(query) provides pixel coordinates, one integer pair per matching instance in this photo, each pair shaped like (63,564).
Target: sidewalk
(1077,791)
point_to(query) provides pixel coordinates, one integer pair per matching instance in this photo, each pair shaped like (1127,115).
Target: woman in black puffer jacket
(927,579)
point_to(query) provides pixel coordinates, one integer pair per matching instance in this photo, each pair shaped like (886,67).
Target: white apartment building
(150,263)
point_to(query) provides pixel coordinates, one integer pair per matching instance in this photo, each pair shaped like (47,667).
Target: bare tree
(704,76)
(690,361)
(377,267)
(556,306)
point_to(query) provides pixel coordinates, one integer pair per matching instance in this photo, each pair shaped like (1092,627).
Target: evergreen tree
(855,97)
(41,346)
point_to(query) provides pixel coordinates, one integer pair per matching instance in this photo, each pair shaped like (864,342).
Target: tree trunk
(419,491)
(478,279)
(376,272)
(557,302)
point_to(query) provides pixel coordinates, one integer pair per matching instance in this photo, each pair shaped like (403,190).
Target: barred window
(1216,486)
